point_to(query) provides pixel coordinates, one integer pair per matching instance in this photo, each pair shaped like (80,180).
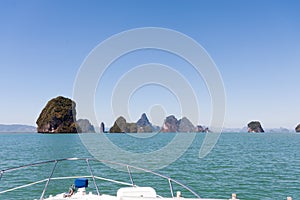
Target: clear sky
(255,45)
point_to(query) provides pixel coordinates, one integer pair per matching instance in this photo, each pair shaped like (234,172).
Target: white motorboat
(86,187)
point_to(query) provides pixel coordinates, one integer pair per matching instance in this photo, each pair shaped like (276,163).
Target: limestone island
(297,129)
(59,116)
(143,125)
(255,127)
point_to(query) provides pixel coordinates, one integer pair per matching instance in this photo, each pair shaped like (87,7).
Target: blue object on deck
(81,182)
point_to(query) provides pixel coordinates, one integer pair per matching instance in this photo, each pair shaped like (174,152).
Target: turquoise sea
(255,166)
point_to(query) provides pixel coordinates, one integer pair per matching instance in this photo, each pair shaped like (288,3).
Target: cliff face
(255,127)
(102,127)
(58,116)
(143,125)
(183,125)
(143,121)
(119,126)
(84,126)
(297,129)
(170,124)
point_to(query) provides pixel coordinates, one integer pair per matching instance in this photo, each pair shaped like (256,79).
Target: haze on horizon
(255,45)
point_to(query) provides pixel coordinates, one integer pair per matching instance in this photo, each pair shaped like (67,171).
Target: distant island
(141,126)
(255,127)
(16,128)
(297,129)
(59,116)
(171,124)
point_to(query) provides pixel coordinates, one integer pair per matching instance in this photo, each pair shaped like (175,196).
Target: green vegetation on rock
(255,126)
(119,126)
(58,116)
(142,126)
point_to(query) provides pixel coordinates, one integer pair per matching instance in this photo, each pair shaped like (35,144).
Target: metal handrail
(130,175)
(129,167)
(47,183)
(93,177)
(171,187)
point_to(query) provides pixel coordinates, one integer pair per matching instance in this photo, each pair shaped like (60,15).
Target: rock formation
(199,129)
(202,129)
(58,116)
(131,128)
(143,125)
(185,126)
(255,126)
(119,126)
(170,124)
(297,129)
(156,128)
(84,126)
(102,127)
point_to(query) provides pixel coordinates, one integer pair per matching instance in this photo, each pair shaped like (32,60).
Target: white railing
(91,175)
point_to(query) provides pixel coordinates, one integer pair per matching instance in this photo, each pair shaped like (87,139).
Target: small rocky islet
(255,127)
(297,129)
(59,116)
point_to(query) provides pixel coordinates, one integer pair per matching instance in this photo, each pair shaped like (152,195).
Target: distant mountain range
(16,128)
(267,130)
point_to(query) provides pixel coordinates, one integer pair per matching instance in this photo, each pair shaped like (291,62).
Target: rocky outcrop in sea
(141,126)
(184,125)
(297,129)
(84,126)
(58,116)
(102,127)
(255,127)
(170,124)
(201,129)
(119,126)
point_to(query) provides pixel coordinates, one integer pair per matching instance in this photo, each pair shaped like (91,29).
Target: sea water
(255,166)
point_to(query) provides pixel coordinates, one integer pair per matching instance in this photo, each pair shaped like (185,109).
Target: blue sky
(255,45)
